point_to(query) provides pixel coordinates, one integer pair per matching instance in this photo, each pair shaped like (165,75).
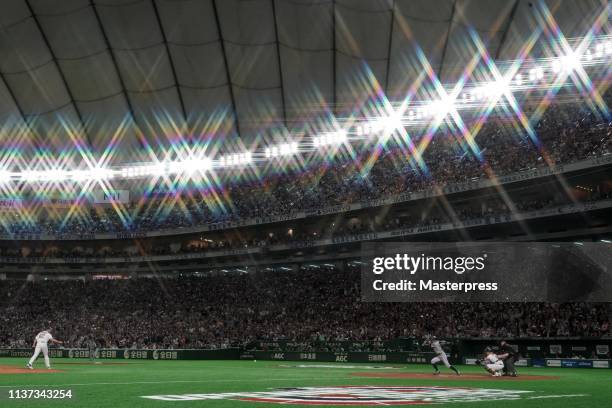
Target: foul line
(558,396)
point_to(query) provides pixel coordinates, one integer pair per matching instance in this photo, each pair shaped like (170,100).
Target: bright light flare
(518,79)
(191,166)
(496,88)
(568,62)
(440,107)
(236,159)
(334,138)
(285,149)
(5,176)
(95,174)
(392,122)
(536,73)
(158,169)
(44,175)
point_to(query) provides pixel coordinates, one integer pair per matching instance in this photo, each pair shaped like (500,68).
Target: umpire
(508,355)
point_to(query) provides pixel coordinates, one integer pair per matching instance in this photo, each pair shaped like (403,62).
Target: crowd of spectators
(491,209)
(564,134)
(298,306)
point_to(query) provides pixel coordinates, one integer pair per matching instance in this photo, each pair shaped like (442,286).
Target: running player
(40,344)
(436,345)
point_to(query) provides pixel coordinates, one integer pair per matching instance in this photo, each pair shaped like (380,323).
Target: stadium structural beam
(226,65)
(59,70)
(24,117)
(502,41)
(280,64)
(114,61)
(390,45)
(334,58)
(170,61)
(448,33)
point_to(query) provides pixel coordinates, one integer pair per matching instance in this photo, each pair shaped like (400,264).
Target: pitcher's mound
(4,369)
(445,377)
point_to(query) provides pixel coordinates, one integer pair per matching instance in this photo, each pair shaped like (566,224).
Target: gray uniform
(440,354)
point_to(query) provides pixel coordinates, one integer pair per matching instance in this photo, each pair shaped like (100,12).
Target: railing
(526,175)
(353,238)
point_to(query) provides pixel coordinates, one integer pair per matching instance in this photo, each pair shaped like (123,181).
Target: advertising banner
(109,197)
(577,363)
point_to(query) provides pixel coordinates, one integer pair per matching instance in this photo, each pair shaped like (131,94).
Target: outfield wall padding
(131,354)
(542,348)
(348,357)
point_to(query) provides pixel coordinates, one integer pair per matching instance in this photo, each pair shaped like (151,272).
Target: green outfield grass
(124,383)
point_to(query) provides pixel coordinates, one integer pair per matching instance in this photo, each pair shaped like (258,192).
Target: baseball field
(186,384)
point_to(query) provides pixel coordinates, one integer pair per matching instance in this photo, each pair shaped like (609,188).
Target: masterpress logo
(358,395)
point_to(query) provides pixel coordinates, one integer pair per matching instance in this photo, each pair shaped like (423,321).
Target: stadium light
(79,175)
(53,175)
(570,61)
(536,73)
(96,173)
(442,107)
(5,176)
(567,62)
(191,166)
(101,173)
(44,175)
(532,76)
(391,122)
(495,89)
(388,123)
(135,171)
(157,169)
(518,79)
(334,138)
(127,172)
(368,128)
(285,149)
(30,175)
(236,159)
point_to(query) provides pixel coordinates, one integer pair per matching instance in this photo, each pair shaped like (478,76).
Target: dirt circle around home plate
(453,377)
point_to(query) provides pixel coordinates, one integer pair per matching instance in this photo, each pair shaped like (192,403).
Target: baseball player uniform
(493,364)
(42,339)
(440,357)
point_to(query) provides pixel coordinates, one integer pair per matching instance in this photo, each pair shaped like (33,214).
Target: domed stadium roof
(127,73)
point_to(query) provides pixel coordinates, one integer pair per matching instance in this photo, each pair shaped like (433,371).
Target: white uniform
(440,354)
(42,339)
(493,363)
